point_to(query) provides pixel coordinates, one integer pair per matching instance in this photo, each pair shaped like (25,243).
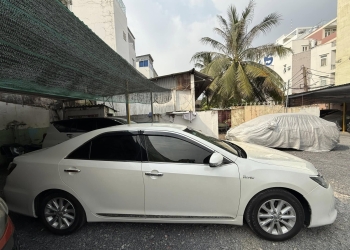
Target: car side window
(171,149)
(104,123)
(81,153)
(115,147)
(109,147)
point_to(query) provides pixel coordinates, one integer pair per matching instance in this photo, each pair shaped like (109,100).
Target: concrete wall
(121,31)
(318,70)
(243,114)
(99,16)
(299,60)
(22,124)
(343,41)
(107,20)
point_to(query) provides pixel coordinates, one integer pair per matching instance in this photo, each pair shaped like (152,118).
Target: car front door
(179,182)
(105,173)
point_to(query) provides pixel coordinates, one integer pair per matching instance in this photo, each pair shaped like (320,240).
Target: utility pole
(306,88)
(152,105)
(287,88)
(127,103)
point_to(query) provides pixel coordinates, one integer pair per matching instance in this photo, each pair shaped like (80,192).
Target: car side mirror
(215,160)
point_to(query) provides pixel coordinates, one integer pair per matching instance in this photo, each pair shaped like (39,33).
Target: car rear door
(179,183)
(105,173)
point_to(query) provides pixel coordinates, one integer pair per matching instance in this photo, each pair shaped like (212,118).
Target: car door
(105,173)
(180,183)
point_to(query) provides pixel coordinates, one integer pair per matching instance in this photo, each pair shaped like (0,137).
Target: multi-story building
(283,66)
(312,64)
(108,20)
(144,64)
(343,40)
(321,72)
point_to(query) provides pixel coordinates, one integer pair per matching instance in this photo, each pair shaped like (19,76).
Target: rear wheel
(275,214)
(61,213)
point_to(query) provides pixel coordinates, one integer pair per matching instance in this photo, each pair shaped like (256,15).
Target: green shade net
(46,49)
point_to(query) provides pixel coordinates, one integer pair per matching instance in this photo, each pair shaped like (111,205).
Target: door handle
(72,170)
(153,174)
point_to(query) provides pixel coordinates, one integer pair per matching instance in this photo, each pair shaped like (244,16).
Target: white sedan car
(168,174)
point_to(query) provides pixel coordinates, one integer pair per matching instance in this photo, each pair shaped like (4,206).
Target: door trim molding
(164,216)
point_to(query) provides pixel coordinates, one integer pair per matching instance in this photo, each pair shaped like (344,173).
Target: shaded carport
(46,51)
(335,94)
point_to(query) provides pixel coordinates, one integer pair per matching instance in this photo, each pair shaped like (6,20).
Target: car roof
(147,126)
(92,118)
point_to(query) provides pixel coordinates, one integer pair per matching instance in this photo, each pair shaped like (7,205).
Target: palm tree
(234,66)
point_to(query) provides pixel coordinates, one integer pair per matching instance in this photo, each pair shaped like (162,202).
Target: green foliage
(233,62)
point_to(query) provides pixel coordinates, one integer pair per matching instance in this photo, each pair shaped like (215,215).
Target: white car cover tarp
(298,131)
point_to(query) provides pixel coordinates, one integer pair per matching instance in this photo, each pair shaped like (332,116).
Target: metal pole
(344,117)
(152,105)
(287,97)
(127,104)
(305,80)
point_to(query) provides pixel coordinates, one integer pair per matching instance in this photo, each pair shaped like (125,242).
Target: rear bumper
(322,203)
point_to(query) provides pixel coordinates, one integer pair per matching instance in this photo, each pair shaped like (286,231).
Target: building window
(124,35)
(323,81)
(305,48)
(327,32)
(323,60)
(143,63)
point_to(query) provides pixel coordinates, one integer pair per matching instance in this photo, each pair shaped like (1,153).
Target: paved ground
(334,165)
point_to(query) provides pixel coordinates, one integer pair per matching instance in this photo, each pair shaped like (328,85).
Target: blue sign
(268,60)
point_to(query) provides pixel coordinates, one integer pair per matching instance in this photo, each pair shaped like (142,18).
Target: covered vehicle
(298,131)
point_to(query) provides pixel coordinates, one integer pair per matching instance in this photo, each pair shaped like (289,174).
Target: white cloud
(196,2)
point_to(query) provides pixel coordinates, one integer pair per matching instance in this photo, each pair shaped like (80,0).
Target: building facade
(108,20)
(144,64)
(343,48)
(313,62)
(283,66)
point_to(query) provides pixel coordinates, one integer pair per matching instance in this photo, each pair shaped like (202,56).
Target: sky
(170,30)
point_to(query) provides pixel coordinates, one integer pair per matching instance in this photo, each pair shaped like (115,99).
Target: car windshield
(229,147)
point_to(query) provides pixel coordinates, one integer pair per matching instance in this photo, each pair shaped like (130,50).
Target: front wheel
(275,214)
(61,213)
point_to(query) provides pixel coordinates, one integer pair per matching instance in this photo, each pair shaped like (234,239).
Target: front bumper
(322,204)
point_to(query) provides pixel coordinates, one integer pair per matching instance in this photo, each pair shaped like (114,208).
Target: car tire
(275,214)
(61,213)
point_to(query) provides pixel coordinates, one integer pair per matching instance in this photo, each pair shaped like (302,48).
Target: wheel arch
(299,196)
(43,194)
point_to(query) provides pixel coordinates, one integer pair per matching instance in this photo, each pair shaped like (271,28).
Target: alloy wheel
(59,213)
(276,217)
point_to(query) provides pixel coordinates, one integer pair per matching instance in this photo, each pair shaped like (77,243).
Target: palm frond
(257,53)
(244,84)
(264,27)
(221,33)
(248,12)
(215,44)
(232,14)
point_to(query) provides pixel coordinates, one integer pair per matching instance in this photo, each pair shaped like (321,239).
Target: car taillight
(8,232)
(11,167)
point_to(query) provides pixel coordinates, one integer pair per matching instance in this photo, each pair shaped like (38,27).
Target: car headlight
(320,180)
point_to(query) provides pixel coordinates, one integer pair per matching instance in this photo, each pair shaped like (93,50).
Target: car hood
(275,157)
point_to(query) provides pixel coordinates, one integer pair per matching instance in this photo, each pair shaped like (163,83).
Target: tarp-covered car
(298,131)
